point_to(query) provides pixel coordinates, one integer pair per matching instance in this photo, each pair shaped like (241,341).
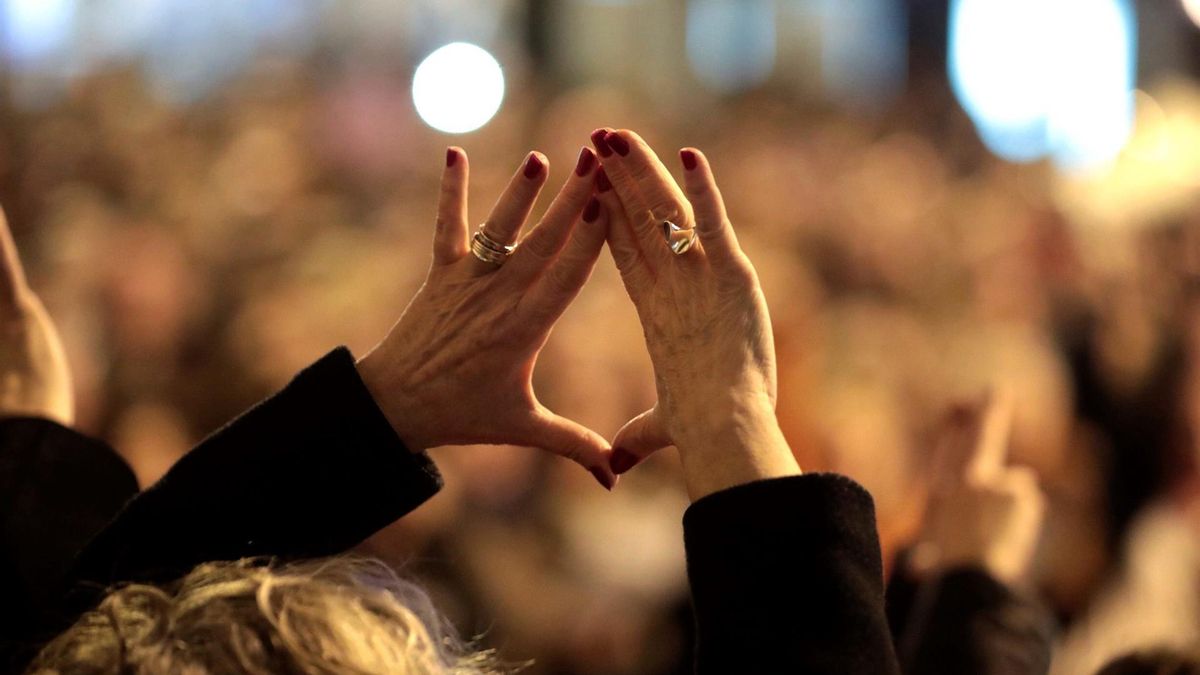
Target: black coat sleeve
(58,489)
(786,577)
(966,621)
(309,472)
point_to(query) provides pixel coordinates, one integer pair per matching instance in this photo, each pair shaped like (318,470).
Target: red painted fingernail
(533,166)
(591,211)
(602,182)
(451,156)
(603,479)
(622,460)
(689,159)
(619,144)
(601,145)
(586,159)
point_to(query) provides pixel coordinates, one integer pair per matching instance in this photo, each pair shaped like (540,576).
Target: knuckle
(450,192)
(698,188)
(670,210)
(641,171)
(742,273)
(537,248)
(626,263)
(525,190)
(571,451)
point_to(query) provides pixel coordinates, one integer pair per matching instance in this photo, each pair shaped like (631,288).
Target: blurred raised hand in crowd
(982,512)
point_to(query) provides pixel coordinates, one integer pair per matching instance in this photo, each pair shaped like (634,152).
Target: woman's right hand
(705,320)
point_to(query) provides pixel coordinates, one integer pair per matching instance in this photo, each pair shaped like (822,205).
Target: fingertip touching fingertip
(587,159)
(603,184)
(601,145)
(605,480)
(592,211)
(618,144)
(622,460)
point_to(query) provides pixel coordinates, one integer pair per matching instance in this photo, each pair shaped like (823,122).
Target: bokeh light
(1000,80)
(731,44)
(36,29)
(458,88)
(1092,106)
(1192,7)
(864,51)
(1046,77)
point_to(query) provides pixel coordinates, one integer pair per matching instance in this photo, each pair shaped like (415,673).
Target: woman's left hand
(457,367)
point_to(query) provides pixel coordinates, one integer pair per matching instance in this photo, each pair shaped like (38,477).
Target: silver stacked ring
(489,250)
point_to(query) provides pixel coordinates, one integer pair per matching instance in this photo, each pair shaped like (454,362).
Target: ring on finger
(489,250)
(679,239)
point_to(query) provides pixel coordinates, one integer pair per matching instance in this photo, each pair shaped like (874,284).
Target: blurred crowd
(196,256)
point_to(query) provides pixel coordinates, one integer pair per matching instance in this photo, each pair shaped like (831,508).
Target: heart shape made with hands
(457,367)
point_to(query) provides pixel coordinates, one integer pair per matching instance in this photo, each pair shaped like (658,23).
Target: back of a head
(330,616)
(1154,662)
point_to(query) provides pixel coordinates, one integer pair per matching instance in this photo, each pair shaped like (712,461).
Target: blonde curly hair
(332,616)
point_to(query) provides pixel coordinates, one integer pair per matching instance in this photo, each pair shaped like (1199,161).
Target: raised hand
(981,512)
(35,380)
(457,367)
(705,320)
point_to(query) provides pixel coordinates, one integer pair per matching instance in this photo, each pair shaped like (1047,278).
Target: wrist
(720,420)
(737,446)
(399,410)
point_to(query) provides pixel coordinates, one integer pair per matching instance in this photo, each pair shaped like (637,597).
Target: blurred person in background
(1152,602)
(960,599)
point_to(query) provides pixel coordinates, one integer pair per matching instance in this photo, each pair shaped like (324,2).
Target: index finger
(662,195)
(547,238)
(514,205)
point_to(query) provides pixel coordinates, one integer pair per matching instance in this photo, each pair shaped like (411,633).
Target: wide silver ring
(679,239)
(489,250)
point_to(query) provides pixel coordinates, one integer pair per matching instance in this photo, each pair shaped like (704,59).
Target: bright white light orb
(1192,7)
(458,88)
(1047,77)
(35,29)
